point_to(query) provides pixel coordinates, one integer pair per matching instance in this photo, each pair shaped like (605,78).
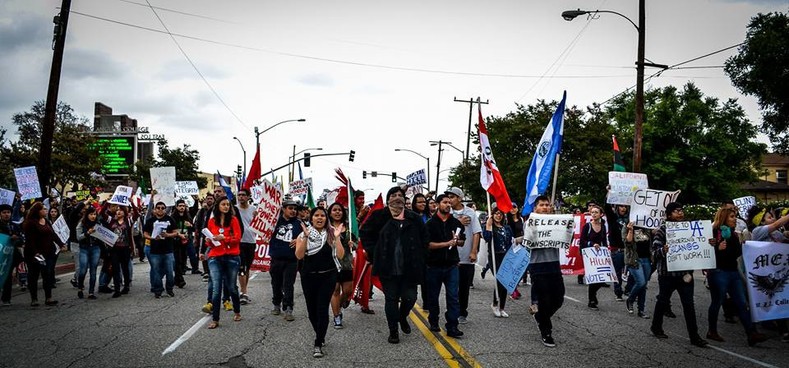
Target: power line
(195,67)
(178,12)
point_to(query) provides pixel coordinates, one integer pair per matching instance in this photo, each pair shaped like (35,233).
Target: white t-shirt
(246,218)
(473,228)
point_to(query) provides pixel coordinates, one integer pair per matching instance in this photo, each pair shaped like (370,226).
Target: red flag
(254,171)
(489,175)
(362,273)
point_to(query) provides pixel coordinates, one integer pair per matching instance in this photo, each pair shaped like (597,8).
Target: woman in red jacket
(40,245)
(224,257)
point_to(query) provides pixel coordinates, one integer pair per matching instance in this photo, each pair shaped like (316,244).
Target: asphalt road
(137,330)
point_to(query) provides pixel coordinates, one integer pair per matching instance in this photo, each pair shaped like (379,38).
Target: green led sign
(117,154)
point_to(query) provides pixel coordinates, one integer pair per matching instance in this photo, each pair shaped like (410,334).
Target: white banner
(767,270)
(163,181)
(548,231)
(104,234)
(689,247)
(61,229)
(648,208)
(300,187)
(186,188)
(598,266)
(27,182)
(7,196)
(121,196)
(416,178)
(267,212)
(744,204)
(623,185)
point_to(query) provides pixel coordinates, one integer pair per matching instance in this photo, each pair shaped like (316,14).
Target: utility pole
(638,129)
(470,103)
(50,111)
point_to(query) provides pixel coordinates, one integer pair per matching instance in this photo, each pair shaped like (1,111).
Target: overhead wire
(179,12)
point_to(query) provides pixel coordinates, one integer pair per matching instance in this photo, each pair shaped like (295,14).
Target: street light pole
(462,153)
(438,164)
(422,156)
(245,156)
(292,167)
(257,134)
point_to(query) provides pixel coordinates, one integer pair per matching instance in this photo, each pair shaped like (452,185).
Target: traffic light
(364,174)
(374,174)
(394,177)
(351,155)
(306,159)
(239,171)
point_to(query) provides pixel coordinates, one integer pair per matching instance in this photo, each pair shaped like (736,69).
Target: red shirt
(231,245)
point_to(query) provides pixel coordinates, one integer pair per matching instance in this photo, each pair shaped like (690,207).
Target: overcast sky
(370,76)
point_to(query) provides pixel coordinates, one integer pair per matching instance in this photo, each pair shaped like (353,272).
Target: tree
(184,159)
(761,69)
(75,159)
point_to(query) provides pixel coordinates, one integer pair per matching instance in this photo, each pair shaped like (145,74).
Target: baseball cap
(454,191)
(289,202)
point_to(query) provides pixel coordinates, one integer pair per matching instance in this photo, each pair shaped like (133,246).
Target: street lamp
(293,159)
(438,165)
(257,134)
(422,156)
(245,156)
(462,153)
(637,131)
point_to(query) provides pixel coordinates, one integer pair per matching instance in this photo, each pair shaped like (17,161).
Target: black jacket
(379,235)
(441,231)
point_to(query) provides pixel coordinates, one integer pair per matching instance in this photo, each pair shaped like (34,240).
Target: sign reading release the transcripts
(548,231)
(688,245)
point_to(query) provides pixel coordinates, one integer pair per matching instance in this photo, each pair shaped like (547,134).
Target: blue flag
(225,186)
(540,170)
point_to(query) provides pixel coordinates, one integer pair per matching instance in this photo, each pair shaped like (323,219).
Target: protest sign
(82,195)
(186,188)
(104,234)
(61,229)
(256,192)
(570,259)
(598,266)
(416,178)
(300,187)
(689,247)
(265,218)
(744,204)
(6,257)
(262,260)
(27,182)
(512,267)
(548,231)
(767,271)
(648,208)
(623,185)
(7,196)
(121,195)
(163,181)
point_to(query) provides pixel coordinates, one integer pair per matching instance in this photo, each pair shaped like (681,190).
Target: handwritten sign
(416,178)
(648,207)
(7,196)
(623,185)
(267,212)
(744,204)
(512,267)
(121,195)
(262,260)
(104,234)
(598,266)
(27,182)
(300,187)
(186,188)
(548,231)
(61,229)
(82,195)
(163,181)
(767,271)
(688,245)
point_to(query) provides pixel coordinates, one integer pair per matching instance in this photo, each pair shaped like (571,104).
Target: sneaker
(755,338)
(34,303)
(244,299)
(208,307)
(670,314)
(338,322)
(643,315)
(592,306)
(116,294)
(698,341)
(404,326)
(496,311)
(157,295)
(516,294)
(74,283)
(785,337)
(629,306)
(171,293)
(276,311)
(92,297)
(619,298)
(228,305)
(125,290)
(205,277)
(547,340)
(504,314)
(6,304)
(181,284)
(394,337)
(462,320)
(105,290)
(714,336)
(435,328)
(367,311)
(80,294)
(317,352)
(289,315)
(454,333)
(533,309)
(658,333)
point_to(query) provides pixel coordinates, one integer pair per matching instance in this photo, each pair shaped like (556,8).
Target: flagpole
(555,177)
(493,257)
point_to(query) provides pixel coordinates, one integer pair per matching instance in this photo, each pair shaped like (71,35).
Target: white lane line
(186,335)
(571,298)
(254,275)
(743,357)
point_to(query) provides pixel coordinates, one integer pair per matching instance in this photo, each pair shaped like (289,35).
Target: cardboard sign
(27,182)
(300,187)
(512,267)
(623,185)
(416,178)
(689,247)
(767,271)
(744,204)
(82,195)
(121,196)
(163,181)
(104,234)
(7,196)
(548,231)
(186,188)
(598,266)
(648,208)
(267,212)
(256,192)
(262,260)
(61,229)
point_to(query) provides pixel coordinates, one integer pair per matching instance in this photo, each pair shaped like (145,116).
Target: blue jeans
(224,272)
(640,275)
(722,282)
(147,251)
(162,265)
(450,278)
(618,258)
(88,261)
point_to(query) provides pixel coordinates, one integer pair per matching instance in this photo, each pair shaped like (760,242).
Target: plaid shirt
(658,241)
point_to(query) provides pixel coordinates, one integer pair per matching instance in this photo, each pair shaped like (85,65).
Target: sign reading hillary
(648,207)
(767,271)
(598,266)
(688,245)
(548,231)
(623,185)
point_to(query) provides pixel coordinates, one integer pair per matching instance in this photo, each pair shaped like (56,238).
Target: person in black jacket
(396,241)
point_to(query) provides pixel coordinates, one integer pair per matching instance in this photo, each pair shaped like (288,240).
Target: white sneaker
(504,314)
(496,311)
(462,320)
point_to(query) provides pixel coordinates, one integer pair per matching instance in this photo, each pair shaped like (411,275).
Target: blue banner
(512,267)
(6,257)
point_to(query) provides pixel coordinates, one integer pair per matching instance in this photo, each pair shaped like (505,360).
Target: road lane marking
(571,298)
(722,350)
(452,353)
(186,335)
